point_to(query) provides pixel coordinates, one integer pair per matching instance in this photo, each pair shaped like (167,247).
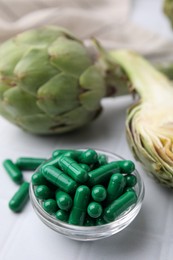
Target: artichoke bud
(50,82)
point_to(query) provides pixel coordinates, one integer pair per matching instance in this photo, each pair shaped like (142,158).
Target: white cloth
(108,20)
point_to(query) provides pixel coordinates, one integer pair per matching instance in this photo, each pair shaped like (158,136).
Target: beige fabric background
(108,20)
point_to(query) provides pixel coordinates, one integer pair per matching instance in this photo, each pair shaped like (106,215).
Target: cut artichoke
(50,83)
(149,122)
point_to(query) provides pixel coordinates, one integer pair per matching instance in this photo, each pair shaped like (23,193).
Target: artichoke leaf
(38,123)
(34,69)
(17,103)
(69,56)
(10,54)
(78,116)
(42,37)
(92,88)
(59,94)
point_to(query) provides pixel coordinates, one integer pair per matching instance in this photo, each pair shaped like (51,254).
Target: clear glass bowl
(90,233)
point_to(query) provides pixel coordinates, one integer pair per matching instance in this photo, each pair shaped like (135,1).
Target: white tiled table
(24,237)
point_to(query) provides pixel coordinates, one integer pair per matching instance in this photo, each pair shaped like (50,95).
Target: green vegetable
(149,123)
(50,83)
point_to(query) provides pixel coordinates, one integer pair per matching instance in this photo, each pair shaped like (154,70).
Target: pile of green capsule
(83,188)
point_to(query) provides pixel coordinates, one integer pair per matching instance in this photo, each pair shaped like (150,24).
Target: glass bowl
(89,233)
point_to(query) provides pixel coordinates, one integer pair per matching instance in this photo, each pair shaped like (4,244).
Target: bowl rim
(121,219)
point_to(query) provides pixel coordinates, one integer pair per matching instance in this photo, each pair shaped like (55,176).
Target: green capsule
(102,159)
(73,169)
(98,193)
(103,173)
(43,192)
(28,163)
(89,221)
(18,201)
(84,166)
(52,162)
(89,157)
(38,179)
(126,166)
(13,171)
(62,215)
(73,154)
(63,200)
(94,209)
(50,206)
(58,178)
(116,186)
(70,153)
(80,203)
(131,180)
(60,152)
(118,206)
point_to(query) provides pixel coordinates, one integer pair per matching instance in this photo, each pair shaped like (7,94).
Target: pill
(62,215)
(89,221)
(126,166)
(89,156)
(28,163)
(73,169)
(84,166)
(94,209)
(52,162)
(60,152)
(58,178)
(63,200)
(70,153)
(80,203)
(18,201)
(103,173)
(98,193)
(131,180)
(73,154)
(13,171)
(116,186)
(43,192)
(38,179)
(118,206)
(50,206)
(102,159)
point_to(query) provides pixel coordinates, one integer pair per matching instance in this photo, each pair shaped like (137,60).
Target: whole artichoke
(50,83)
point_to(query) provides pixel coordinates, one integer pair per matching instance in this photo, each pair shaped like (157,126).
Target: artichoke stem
(148,82)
